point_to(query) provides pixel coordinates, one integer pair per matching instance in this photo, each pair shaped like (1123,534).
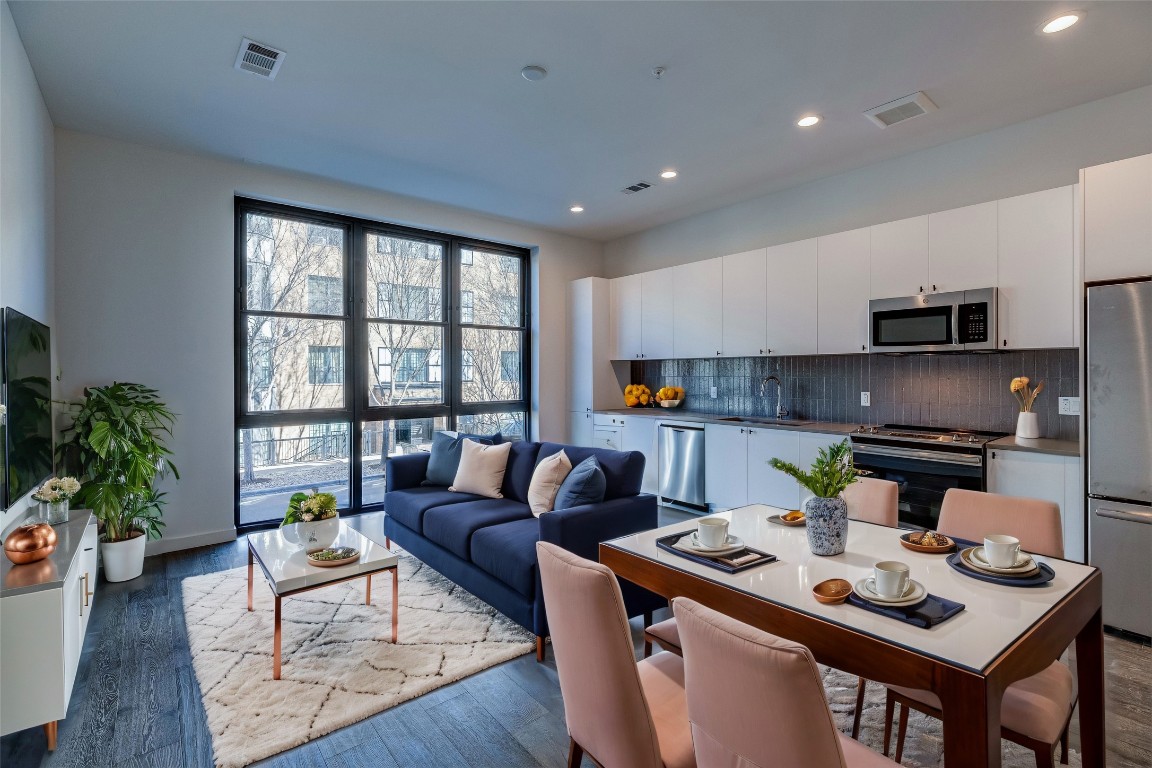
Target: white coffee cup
(891,578)
(712,532)
(1001,550)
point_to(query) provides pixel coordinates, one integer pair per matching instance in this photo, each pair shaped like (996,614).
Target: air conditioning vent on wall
(901,109)
(639,186)
(259,59)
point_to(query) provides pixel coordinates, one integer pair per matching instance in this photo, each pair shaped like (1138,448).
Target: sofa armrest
(581,529)
(406,471)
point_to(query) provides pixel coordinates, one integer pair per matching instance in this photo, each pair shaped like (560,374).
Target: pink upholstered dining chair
(623,714)
(757,699)
(1035,711)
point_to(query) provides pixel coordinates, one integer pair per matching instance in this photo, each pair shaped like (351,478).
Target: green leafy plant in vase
(826,511)
(312,521)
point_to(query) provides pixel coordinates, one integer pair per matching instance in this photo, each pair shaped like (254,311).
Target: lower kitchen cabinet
(736,469)
(1045,476)
(639,434)
(765,484)
(726,466)
(580,428)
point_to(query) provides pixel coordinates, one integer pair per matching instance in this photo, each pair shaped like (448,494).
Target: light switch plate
(866,398)
(713,393)
(1069,406)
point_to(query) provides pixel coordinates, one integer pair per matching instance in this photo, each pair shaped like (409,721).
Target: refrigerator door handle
(1129,517)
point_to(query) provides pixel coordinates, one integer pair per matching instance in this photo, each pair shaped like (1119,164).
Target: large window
(357,340)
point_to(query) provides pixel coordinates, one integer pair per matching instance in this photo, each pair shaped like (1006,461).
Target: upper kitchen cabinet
(592,381)
(745,304)
(627,321)
(962,248)
(791,308)
(899,257)
(843,264)
(698,295)
(1118,219)
(657,314)
(1036,270)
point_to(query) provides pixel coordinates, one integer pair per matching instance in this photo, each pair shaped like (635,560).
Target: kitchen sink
(755,420)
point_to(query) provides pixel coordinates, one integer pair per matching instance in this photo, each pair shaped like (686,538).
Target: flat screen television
(27,422)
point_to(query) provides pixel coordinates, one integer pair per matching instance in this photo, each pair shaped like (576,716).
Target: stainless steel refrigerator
(1119,441)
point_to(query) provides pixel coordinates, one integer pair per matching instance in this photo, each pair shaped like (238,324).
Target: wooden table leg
(276,643)
(50,734)
(971,719)
(1090,680)
(395,602)
(249,578)
(368,589)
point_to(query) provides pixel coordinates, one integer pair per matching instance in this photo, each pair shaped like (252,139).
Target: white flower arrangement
(307,508)
(57,489)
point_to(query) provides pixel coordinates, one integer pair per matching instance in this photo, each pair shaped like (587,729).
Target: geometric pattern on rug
(339,664)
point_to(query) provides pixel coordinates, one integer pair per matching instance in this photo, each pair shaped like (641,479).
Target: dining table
(1003,634)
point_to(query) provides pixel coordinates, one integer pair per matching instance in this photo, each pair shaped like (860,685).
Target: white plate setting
(974,557)
(913,593)
(692,544)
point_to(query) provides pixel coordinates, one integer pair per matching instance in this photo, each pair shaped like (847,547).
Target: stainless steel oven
(924,462)
(961,321)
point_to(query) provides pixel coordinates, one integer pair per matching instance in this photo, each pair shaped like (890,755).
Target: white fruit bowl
(670,403)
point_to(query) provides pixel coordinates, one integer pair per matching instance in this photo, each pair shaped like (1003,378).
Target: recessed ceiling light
(808,121)
(668,174)
(577,209)
(1060,23)
(533,72)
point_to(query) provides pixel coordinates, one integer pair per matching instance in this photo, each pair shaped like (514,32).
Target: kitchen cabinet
(726,465)
(844,267)
(610,438)
(1118,219)
(657,314)
(745,304)
(962,248)
(627,321)
(580,428)
(1044,476)
(765,484)
(791,308)
(1036,270)
(899,258)
(592,381)
(698,295)
(640,435)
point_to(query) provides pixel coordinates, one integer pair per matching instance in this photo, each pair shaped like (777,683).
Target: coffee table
(288,573)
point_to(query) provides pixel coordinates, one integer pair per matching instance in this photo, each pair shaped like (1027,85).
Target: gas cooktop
(907,433)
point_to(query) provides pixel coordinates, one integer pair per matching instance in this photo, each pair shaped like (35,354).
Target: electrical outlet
(1069,406)
(713,393)
(866,398)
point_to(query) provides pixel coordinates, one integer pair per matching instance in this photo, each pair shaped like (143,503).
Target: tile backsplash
(956,390)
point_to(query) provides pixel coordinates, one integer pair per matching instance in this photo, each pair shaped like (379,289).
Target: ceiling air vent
(901,109)
(639,186)
(259,59)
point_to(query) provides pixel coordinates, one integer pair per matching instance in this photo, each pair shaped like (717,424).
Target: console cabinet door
(698,295)
(725,466)
(765,484)
(745,304)
(627,319)
(792,309)
(844,268)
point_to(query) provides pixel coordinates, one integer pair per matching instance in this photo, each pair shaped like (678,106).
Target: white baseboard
(175,543)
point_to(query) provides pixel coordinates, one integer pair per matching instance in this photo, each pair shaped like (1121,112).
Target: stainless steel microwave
(962,321)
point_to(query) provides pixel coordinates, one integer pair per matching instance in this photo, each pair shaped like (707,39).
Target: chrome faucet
(781,411)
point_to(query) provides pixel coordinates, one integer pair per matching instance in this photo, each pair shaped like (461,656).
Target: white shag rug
(339,664)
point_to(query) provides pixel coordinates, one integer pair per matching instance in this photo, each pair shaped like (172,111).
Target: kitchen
(727,329)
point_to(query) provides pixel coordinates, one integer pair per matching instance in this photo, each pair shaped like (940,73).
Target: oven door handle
(905,453)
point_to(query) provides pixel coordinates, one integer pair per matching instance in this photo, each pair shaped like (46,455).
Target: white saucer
(1023,562)
(1029,569)
(733,544)
(913,594)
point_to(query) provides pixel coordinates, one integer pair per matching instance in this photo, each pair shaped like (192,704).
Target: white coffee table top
(994,618)
(287,569)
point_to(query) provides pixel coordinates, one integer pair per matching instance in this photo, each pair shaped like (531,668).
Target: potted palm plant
(826,511)
(117,446)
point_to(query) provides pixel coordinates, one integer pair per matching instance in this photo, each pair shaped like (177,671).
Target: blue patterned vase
(827,525)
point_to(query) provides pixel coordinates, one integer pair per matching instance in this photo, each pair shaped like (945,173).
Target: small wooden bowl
(332,563)
(832,591)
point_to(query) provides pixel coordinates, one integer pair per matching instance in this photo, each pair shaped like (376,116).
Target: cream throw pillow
(546,480)
(482,469)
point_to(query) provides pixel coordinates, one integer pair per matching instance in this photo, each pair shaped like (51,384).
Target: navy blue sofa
(488,546)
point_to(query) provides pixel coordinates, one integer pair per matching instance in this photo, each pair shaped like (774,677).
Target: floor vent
(901,109)
(639,186)
(259,59)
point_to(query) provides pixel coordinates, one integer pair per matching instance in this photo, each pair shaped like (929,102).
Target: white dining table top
(995,615)
(286,565)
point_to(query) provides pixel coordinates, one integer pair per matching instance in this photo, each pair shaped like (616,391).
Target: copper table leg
(395,602)
(249,577)
(276,643)
(368,590)
(50,734)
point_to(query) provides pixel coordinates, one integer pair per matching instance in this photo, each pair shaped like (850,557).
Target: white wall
(145,281)
(26,194)
(1026,157)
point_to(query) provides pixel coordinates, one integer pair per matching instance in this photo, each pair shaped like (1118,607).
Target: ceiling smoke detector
(259,59)
(899,110)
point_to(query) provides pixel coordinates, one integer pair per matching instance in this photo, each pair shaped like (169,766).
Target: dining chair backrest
(753,698)
(973,515)
(874,501)
(604,705)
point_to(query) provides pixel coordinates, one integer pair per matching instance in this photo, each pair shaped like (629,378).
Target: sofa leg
(387,542)
(540,648)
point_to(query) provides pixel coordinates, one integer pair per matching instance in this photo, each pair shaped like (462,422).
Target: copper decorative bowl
(29,543)
(31,575)
(832,591)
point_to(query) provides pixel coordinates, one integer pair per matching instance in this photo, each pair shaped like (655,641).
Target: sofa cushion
(409,505)
(508,552)
(444,458)
(623,470)
(584,485)
(482,469)
(518,475)
(546,481)
(452,526)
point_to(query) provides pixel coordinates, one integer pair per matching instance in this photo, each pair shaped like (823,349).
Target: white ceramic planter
(1028,425)
(123,560)
(318,534)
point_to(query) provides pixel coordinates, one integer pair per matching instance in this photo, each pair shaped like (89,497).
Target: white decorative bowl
(318,534)
(670,403)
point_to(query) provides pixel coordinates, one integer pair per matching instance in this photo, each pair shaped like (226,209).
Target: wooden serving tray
(332,563)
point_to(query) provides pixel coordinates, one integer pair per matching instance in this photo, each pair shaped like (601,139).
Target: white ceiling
(426,99)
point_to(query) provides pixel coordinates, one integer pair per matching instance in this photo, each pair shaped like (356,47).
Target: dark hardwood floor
(137,702)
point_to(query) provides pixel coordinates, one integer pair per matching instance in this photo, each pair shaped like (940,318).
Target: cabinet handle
(741,430)
(921,289)
(751,431)
(1005,342)
(87,594)
(769,351)
(761,351)
(863,347)
(717,352)
(993,454)
(933,287)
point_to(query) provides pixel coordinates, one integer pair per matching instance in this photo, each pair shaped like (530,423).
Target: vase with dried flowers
(55,495)
(1027,422)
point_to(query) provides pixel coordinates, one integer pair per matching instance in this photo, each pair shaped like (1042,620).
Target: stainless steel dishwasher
(682,465)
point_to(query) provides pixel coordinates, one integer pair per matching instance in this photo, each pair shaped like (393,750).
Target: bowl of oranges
(670,397)
(637,396)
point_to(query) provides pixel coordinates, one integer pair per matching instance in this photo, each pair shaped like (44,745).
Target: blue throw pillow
(585,484)
(445,456)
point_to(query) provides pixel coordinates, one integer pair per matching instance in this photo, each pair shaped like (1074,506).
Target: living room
(140,159)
